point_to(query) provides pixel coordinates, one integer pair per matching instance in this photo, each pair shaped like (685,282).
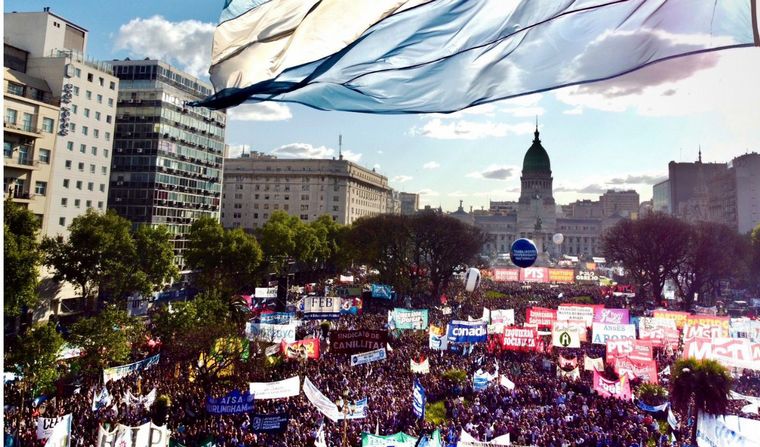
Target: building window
(286,207)
(304,217)
(100,205)
(27,124)
(101,81)
(108,119)
(10,116)
(304,207)
(76,91)
(100,99)
(78,72)
(88,204)
(90,186)
(104,170)
(94,150)
(81,167)
(83,148)
(79,184)
(110,102)
(77,203)
(40,188)
(65,183)
(102,187)
(85,130)
(89,77)
(112,85)
(68,164)
(92,169)
(105,151)
(108,136)
(73,127)
(64,202)
(70,145)
(62,221)
(47,125)
(74,108)
(15,89)
(45,156)
(88,94)
(304,197)
(96,133)
(86,112)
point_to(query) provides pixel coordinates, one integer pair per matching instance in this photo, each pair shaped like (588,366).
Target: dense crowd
(541,409)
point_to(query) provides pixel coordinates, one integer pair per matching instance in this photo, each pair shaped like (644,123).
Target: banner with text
(611,316)
(619,389)
(301,349)
(540,316)
(321,307)
(234,402)
(520,339)
(146,435)
(729,352)
(678,317)
(368,357)
(271,333)
(118,372)
(646,370)
(467,331)
(408,318)
(45,426)
(353,341)
(576,313)
(275,390)
(269,423)
(602,332)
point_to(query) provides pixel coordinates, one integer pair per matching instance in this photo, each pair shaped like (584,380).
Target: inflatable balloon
(523,253)
(558,238)
(471,279)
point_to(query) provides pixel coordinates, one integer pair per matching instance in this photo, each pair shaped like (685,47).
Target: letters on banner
(467,331)
(119,372)
(408,318)
(540,316)
(705,326)
(619,389)
(301,349)
(271,333)
(727,431)
(603,332)
(592,364)
(45,426)
(275,390)
(576,313)
(60,434)
(679,318)
(321,308)
(729,352)
(265,292)
(566,337)
(269,423)
(144,435)
(353,341)
(567,363)
(368,357)
(467,440)
(421,367)
(233,403)
(519,339)
(643,369)
(611,316)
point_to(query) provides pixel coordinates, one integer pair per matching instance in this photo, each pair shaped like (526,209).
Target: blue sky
(618,134)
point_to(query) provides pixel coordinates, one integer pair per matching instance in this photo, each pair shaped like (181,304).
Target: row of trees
(696,256)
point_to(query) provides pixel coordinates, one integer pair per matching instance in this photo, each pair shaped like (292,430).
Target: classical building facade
(535,215)
(256,186)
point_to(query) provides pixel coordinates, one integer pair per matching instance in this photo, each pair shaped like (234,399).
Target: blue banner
(234,402)
(277,317)
(381,291)
(652,409)
(467,331)
(418,399)
(480,380)
(269,423)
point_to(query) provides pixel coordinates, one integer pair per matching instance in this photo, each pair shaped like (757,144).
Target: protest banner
(418,399)
(319,400)
(381,291)
(408,318)
(619,389)
(571,325)
(60,435)
(503,316)
(118,372)
(562,276)
(730,352)
(593,364)
(566,339)
(573,374)
(301,349)
(506,275)
(321,308)
(540,316)
(534,274)
(611,316)
(141,436)
(481,380)
(269,423)
(140,401)
(467,331)
(576,313)
(705,326)
(368,357)
(353,341)
(265,292)
(678,317)
(519,339)
(506,383)
(400,440)
(275,390)
(643,369)
(271,333)
(566,363)
(602,332)
(420,367)
(277,317)
(467,440)
(45,426)
(618,348)
(232,403)
(727,431)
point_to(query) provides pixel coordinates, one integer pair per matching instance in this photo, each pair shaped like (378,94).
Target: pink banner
(678,317)
(540,316)
(730,352)
(567,363)
(611,316)
(619,389)
(534,274)
(644,369)
(506,275)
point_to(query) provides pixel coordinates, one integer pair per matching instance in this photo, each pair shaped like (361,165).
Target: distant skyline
(618,134)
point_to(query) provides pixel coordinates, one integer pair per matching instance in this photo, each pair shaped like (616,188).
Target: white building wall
(747,168)
(39,33)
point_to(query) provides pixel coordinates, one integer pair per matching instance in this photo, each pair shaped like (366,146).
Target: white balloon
(471,279)
(558,238)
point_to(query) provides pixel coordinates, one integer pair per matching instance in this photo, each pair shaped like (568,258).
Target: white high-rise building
(87,92)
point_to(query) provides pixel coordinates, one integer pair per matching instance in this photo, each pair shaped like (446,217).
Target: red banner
(678,317)
(619,389)
(519,339)
(644,369)
(705,326)
(506,275)
(534,274)
(730,352)
(540,316)
(301,349)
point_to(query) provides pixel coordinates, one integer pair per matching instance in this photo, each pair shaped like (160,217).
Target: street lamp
(347,407)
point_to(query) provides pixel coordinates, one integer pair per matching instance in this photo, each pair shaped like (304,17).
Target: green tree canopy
(21,259)
(222,259)
(703,385)
(35,358)
(103,255)
(106,338)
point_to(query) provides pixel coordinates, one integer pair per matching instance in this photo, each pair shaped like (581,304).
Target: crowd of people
(541,409)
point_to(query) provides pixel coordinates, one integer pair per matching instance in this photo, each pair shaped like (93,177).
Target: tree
(35,357)
(714,252)
(699,385)
(222,259)
(384,242)
(329,251)
(754,267)
(21,259)
(102,255)
(650,248)
(106,338)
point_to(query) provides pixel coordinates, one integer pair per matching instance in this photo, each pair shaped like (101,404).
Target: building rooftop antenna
(340,147)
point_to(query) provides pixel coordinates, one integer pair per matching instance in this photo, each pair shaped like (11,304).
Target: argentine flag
(419,56)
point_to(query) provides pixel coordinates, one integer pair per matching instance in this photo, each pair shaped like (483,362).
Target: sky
(617,134)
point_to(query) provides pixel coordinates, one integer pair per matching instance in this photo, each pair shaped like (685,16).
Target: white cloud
(578,110)
(235,150)
(401,178)
(431,165)
(427,192)
(468,130)
(637,179)
(495,172)
(457,194)
(261,111)
(376,166)
(186,44)
(303,150)
(352,156)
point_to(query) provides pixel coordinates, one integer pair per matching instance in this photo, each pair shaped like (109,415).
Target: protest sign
(611,316)
(619,389)
(381,291)
(467,331)
(368,357)
(420,367)
(265,292)
(321,308)
(592,364)
(602,332)
(643,369)
(519,339)
(45,426)
(679,318)
(141,436)
(408,318)
(269,423)
(353,341)
(418,399)
(271,333)
(232,403)
(301,349)
(576,313)
(540,316)
(118,372)
(275,390)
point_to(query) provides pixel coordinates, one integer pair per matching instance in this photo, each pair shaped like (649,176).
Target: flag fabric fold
(422,56)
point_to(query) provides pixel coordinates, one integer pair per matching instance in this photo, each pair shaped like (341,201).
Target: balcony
(18,161)
(20,196)
(34,94)
(22,129)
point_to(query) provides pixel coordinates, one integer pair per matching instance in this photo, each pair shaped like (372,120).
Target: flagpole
(755,29)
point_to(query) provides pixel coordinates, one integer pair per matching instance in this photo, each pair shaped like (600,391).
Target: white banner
(727,431)
(45,426)
(503,316)
(265,292)
(319,307)
(118,372)
(420,368)
(566,336)
(275,390)
(506,383)
(466,440)
(319,400)
(368,357)
(146,401)
(60,436)
(603,332)
(271,333)
(146,435)
(577,313)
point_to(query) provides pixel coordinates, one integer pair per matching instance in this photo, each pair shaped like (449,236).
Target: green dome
(536,159)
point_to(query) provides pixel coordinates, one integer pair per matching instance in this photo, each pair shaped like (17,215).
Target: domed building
(536,215)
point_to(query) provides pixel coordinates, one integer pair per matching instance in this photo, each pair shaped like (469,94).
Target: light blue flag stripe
(447,55)
(236,8)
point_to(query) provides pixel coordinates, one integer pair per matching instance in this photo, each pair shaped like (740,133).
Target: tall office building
(256,186)
(410,203)
(167,163)
(622,203)
(86,91)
